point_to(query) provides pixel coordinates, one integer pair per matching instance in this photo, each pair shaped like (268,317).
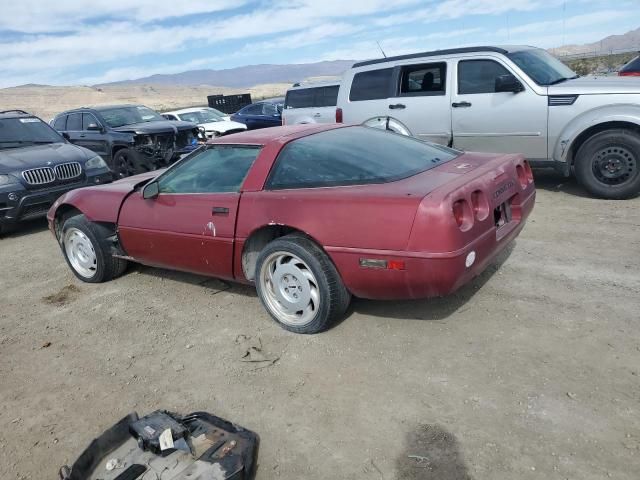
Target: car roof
(272,100)
(450,51)
(15,114)
(188,110)
(100,108)
(264,136)
(300,86)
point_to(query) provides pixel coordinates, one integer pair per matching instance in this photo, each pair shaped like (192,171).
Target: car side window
(302,98)
(478,76)
(255,109)
(74,122)
(88,119)
(269,109)
(424,79)
(60,123)
(371,85)
(217,169)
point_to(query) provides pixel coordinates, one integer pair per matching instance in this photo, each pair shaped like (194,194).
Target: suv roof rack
(433,53)
(15,111)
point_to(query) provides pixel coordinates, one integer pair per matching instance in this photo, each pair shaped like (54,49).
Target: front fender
(627,113)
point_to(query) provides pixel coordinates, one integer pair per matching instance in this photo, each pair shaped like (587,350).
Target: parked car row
(492,99)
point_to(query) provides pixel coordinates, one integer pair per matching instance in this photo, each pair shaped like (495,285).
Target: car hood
(596,85)
(49,155)
(159,126)
(223,127)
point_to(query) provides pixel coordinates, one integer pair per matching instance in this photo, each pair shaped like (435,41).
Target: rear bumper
(425,274)
(21,204)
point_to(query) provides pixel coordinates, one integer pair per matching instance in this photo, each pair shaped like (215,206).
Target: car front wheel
(607,164)
(87,253)
(299,285)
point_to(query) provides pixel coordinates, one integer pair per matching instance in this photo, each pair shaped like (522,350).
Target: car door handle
(398,106)
(460,104)
(220,211)
(317,115)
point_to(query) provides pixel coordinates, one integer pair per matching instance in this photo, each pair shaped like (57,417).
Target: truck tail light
(462,214)
(338,115)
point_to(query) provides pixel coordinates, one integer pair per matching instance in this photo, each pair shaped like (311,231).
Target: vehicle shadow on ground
(552,181)
(433,308)
(431,453)
(26,228)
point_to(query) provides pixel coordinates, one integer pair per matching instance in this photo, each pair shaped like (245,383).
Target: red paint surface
(409,221)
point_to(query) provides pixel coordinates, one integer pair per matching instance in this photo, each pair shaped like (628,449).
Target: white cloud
(33,16)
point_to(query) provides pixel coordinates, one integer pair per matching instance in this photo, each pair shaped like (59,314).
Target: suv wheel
(299,286)
(86,253)
(127,162)
(608,164)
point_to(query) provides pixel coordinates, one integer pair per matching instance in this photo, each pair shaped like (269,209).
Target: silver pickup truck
(506,99)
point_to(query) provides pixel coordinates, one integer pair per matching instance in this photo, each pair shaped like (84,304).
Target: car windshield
(201,116)
(541,66)
(632,66)
(18,132)
(119,116)
(354,156)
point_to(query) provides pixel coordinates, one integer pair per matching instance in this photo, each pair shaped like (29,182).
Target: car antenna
(383,54)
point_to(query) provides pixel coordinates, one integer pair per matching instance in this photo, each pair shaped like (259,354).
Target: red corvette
(310,214)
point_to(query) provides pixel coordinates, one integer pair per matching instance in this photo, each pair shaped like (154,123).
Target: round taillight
(462,214)
(528,171)
(480,204)
(522,176)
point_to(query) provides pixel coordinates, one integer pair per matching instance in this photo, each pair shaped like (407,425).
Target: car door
(190,224)
(489,121)
(73,128)
(93,137)
(422,101)
(271,115)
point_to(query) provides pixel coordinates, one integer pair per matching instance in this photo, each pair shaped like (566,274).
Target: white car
(214,122)
(311,103)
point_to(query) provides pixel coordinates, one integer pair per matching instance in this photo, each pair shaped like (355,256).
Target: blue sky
(69,42)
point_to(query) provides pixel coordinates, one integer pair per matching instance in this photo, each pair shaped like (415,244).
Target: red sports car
(309,214)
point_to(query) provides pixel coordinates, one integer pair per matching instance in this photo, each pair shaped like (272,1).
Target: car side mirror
(508,83)
(151,190)
(94,127)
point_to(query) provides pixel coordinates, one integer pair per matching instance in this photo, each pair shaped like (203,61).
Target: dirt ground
(530,372)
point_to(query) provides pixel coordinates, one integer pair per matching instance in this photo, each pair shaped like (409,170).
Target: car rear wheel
(299,286)
(87,253)
(608,164)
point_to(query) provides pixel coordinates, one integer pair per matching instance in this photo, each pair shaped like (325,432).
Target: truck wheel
(607,164)
(299,286)
(86,253)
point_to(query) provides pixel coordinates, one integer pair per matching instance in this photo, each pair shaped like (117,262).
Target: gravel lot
(532,371)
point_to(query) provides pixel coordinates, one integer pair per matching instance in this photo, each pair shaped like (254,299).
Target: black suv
(130,138)
(37,165)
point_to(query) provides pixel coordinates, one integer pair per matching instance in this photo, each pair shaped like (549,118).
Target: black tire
(106,266)
(334,297)
(128,162)
(608,164)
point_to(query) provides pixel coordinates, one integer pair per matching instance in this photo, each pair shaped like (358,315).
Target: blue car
(267,113)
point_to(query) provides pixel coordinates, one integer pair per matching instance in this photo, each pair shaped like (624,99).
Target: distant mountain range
(248,76)
(612,43)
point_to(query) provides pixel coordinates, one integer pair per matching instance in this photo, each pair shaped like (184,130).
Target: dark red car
(631,68)
(310,214)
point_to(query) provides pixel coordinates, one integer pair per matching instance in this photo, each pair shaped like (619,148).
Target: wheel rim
(80,252)
(614,165)
(289,288)
(125,167)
